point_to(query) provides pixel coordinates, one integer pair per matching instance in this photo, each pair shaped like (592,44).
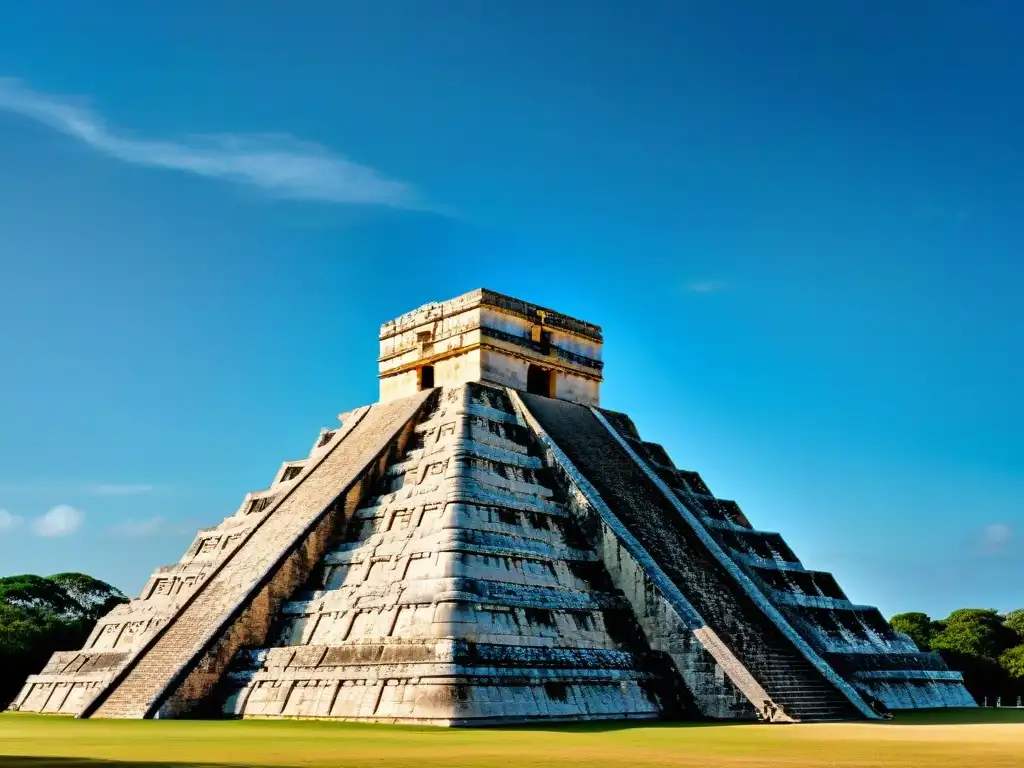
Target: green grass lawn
(973,738)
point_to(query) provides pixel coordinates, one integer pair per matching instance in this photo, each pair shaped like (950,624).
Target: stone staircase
(854,640)
(800,690)
(178,666)
(756,640)
(461,593)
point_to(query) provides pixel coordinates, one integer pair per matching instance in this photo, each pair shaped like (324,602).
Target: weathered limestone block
(764,657)
(176,668)
(860,645)
(468,587)
(485,336)
(461,554)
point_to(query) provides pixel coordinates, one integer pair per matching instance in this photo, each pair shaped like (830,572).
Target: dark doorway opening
(540,381)
(427,377)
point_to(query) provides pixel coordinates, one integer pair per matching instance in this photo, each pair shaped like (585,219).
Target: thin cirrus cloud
(281,165)
(77,489)
(153,526)
(119,489)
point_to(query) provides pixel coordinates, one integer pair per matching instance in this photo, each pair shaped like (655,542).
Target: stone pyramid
(486,545)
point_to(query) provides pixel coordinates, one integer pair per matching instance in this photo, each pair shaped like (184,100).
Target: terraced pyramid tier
(461,592)
(486,545)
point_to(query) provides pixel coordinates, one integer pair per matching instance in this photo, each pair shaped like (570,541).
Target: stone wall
(759,652)
(71,679)
(668,620)
(854,639)
(462,593)
(173,670)
(483,336)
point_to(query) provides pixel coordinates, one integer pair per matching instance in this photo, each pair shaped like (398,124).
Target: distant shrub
(40,615)
(986,647)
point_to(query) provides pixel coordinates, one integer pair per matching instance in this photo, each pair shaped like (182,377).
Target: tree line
(983,644)
(43,614)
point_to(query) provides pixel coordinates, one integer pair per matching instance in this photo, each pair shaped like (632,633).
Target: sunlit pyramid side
(486,545)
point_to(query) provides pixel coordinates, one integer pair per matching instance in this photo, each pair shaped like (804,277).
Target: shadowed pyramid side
(854,639)
(754,644)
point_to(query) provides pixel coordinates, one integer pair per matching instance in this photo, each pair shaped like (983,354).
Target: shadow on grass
(603,726)
(973,716)
(586,726)
(17,761)
(945,717)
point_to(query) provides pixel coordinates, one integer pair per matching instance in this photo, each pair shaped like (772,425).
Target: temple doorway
(426,377)
(540,381)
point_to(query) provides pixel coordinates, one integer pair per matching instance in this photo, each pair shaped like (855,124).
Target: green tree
(971,641)
(18,629)
(919,626)
(1012,662)
(976,632)
(95,598)
(41,615)
(39,593)
(1015,621)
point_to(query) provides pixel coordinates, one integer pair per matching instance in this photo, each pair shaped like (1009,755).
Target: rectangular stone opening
(540,381)
(848,620)
(556,691)
(540,616)
(426,377)
(258,505)
(828,586)
(508,516)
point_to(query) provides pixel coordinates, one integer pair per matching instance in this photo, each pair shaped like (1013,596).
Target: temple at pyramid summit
(487,545)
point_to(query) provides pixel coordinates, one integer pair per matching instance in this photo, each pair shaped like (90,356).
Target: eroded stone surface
(462,593)
(729,619)
(485,336)
(855,640)
(472,554)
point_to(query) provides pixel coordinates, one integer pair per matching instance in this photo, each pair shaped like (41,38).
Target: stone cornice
(483,297)
(551,363)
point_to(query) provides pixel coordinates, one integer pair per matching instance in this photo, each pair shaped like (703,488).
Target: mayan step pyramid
(486,545)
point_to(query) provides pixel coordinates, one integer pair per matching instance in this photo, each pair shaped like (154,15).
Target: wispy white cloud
(707,286)
(154,526)
(119,489)
(9,522)
(277,163)
(64,489)
(995,537)
(62,520)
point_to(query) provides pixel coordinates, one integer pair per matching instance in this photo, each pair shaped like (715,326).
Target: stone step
(809,701)
(168,661)
(681,550)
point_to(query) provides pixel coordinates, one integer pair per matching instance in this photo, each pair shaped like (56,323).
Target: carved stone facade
(485,545)
(485,336)
(461,592)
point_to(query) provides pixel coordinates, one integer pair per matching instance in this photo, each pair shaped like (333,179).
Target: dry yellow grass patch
(977,739)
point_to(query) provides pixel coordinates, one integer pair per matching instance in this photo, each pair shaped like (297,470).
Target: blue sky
(798,223)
